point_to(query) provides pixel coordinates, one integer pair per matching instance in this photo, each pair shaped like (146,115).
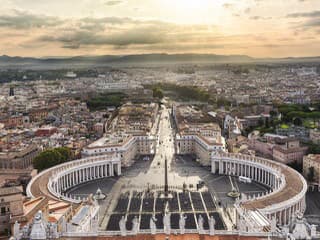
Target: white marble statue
(153,226)
(243,197)
(38,230)
(63,225)
(167,223)
(182,223)
(212,223)
(242,225)
(25,231)
(53,230)
(313,231)
(135,225)
(16,230)
(300,230)
(200,224)
(122,226)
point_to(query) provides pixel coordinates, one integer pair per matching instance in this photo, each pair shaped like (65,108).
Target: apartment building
(312,161)
(197,134)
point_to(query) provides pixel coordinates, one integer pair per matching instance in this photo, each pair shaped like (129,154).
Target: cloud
(259,18)
(247,10)
(71,46)
(227,5)
(304,14)
(312,23)
(113,2)
(25,20)
(135,36)
(37,34)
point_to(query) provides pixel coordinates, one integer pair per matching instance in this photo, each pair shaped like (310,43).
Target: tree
(297,121)
(273,113)
(260,122)
(310,176)
(313,148)
(157,93)
(65,153)
(51,157)
(267,123)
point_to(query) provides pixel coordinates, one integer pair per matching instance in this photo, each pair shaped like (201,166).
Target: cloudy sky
(259,28)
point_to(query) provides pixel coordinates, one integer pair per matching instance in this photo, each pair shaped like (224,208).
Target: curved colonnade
(68,175)
(288,187)
(287,195)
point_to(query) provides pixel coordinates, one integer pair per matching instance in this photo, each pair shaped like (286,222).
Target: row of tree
(182,92)
(104,100)
(290,112)
(52,157)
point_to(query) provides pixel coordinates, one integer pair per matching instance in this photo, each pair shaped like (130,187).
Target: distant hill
(126,59)
(78,61)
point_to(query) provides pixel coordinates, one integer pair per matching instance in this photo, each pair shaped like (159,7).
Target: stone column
(111,169)
(119,169)
(68,180)
(213,166)
(73,178)
(105,170)
(256,173)
(220,167)
(82,175)
(64,182)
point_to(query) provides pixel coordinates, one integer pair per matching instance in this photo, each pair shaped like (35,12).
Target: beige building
(10,206)
(312,161)
(280,148)
(20,157)
(124,146)
(202,147)
(315,136)
(197,134)
(137,118)
(289,152)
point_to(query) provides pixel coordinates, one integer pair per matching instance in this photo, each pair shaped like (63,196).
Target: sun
(192,4)
(192,11)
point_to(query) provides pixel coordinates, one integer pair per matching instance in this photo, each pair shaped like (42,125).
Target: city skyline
(120,27)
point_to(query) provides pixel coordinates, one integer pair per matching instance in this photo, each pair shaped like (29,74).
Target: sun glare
(192,4)
(194,11)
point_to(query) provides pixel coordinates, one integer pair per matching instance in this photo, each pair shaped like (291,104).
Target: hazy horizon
(256,28)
